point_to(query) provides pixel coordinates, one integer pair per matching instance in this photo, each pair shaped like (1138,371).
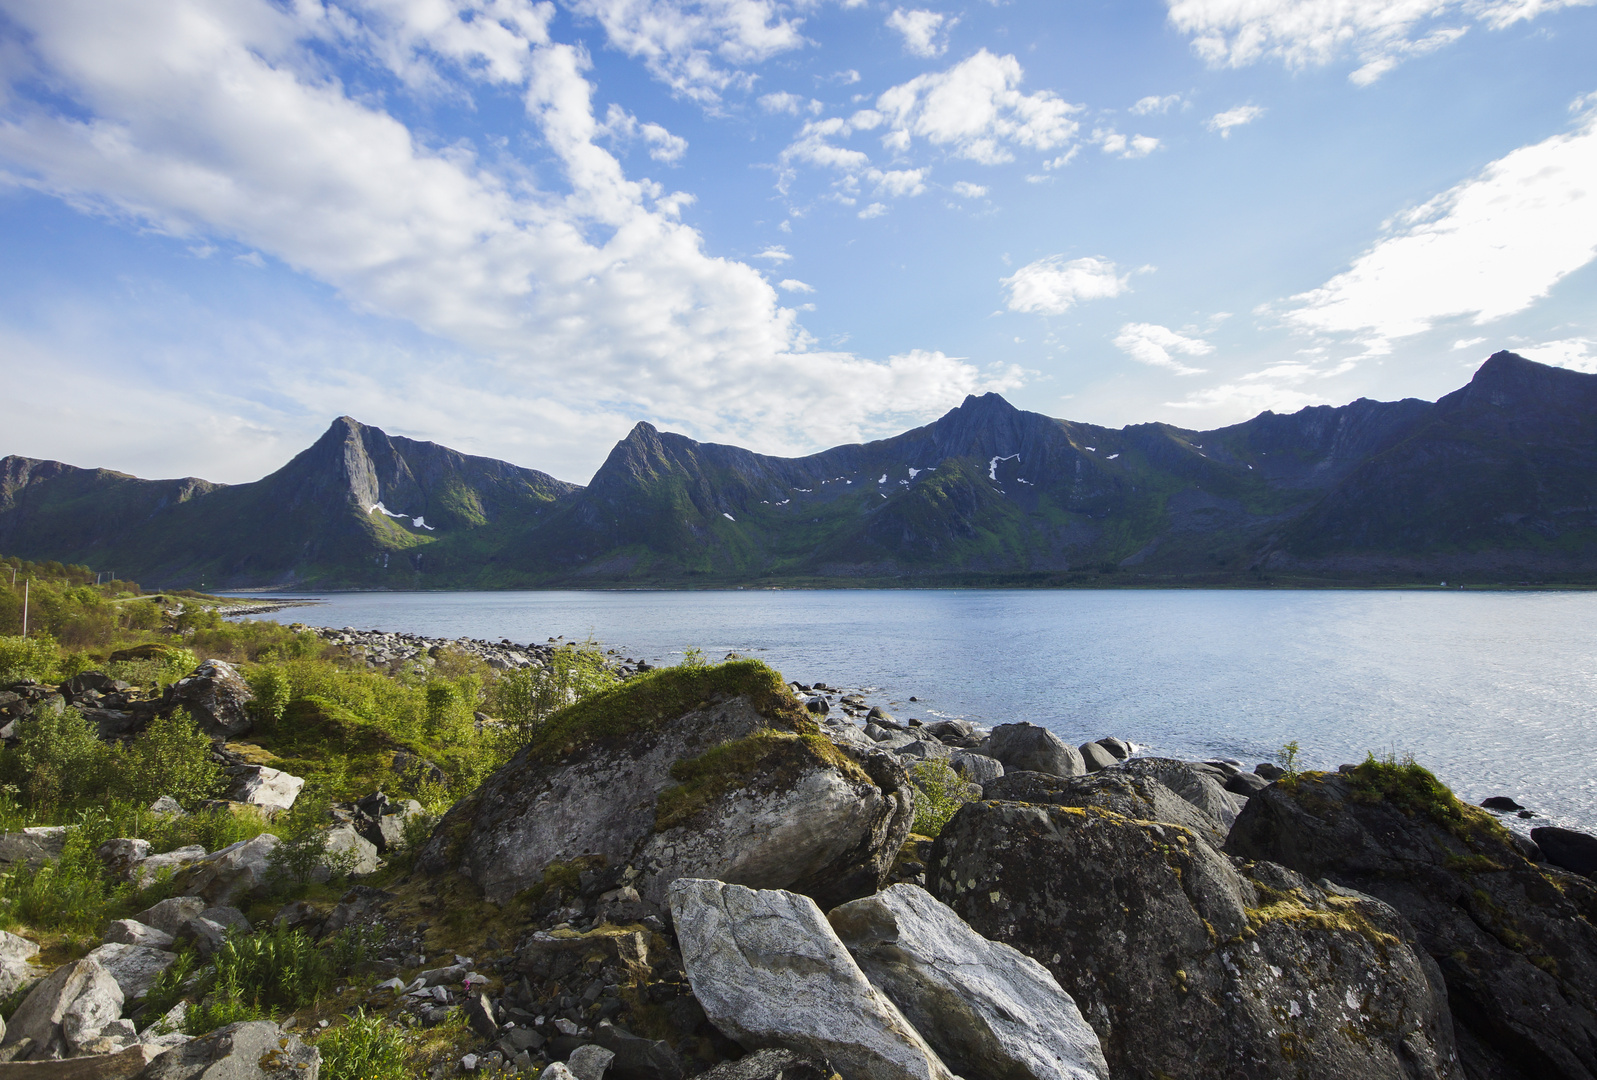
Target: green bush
(274,969)
(171,757)
(58,761)
(33,657)
(272,691)
(526,696)
(68,894)
(939,793)
(365,1048)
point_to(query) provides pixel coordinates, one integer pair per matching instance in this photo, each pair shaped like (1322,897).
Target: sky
(518,228)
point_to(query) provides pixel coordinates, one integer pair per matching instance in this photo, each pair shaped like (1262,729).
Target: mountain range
(1496,482)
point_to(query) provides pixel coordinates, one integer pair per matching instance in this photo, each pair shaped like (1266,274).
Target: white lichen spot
(1350,998)
(1293,1009)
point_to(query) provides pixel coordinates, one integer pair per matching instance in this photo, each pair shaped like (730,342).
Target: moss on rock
(777,759)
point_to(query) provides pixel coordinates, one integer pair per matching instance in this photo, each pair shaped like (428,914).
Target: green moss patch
(777,758)
(1409,786)
(649,702)
(1290,906)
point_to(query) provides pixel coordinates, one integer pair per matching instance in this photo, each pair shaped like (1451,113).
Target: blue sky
(517,228)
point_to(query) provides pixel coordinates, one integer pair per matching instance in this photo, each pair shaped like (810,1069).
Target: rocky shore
(708,871)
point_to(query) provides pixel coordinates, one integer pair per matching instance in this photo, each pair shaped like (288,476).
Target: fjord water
(1496,692)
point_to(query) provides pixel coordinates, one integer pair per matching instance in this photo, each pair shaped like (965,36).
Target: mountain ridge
(1498,478)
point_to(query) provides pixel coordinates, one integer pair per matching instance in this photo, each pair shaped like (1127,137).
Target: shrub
(58,761)
(68,894)
(365,1048)
(526,696)
(272,691)
(172,757)
(270,970)
(32,657)
(939,793)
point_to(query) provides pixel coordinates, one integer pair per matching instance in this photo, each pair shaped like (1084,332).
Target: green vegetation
(939,793)
(1407,785)
(778,757)
(364,1048)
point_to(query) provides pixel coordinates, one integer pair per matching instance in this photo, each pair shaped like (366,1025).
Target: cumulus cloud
(874,210)
(698,48)
(663,146)
(966,190)
(976,110)
(794,285)
(776,253)
(924,32)
(216,123)
(1490,247)
(1152,104)
(1053,285)
(1158,346)
(1231,118)
(1579,353)
(1378,34)
(1122,146)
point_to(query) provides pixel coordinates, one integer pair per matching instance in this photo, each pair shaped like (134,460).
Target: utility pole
(26,587)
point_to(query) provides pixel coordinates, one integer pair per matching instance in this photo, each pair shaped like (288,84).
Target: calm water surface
(1495,692)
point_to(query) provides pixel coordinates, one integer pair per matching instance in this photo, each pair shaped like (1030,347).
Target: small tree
(58,761)
(172,757)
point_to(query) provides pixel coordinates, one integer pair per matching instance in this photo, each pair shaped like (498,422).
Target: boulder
(1118,747)
(216,696)
(256,785)
(714,772)
(769,972)
(1096,757)
(1201,785)
(133,932)
(987,1009)
(16,969)
(1269,771)
(1246,784)
(1574,851)
(167,806)
(1029,748)
(252,1050)
(1185,966)
(348,852)
(949,729)
(65,1010)
(637,1058)
(772,1064)
(149,870)
(924,750)
(169,915)
(1500,802)
(589,1062)
(122,856)
(976,768)
(32,847)
(1516,941)
(134,967)
(1128,794)
(229,875)
(119,1065)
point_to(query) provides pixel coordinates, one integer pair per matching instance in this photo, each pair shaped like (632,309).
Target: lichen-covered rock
(133,932)
(1517,942)
(134,967)
(986,1008)
(1184,965)
(710,772)
(216,696)
(257,785)
(171,914)
(252,1050)
(16,968)
(1029,748)
(1201,785)
(227,876)
(149,870)
(122,856)
(65,1010)
(32,847)
(769,971)
(1132,795)
(347,851)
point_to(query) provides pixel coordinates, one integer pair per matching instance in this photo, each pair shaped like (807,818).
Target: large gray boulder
(1516,941)
(348,852)
(1201,785)
(65,1010)
(134,967)
(1033,749)
(216,696)
(257,785)
(772,1064)
(976,768)
(149,870)
(226,877)
(133,932)
(769,972)
(1128,794)
(710,772)
(170,915)
(986,1008)
(1187,966)
(32,847)
(252,1050)
(16,967)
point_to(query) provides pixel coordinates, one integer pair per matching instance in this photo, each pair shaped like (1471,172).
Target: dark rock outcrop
(1029,748)
(1516,942)
(1186,965)
(216,695)
(1574,851)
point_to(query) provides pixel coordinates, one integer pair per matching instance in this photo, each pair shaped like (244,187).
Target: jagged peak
(988,402)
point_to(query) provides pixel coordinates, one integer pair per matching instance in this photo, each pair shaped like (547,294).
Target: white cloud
(1490,247)
(792,104)
(1152,104)
(924,31)
(1467,343)
(776,253)
(663,146)
(1577,353)
(898,182)
(1135,146)
(1157,346)
(966,190)
(1283,387)
(1225,121)
(976,110)
(1379,34)
(874,210)
(215,123)
(696,47)
(794,285)
(1053,285)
